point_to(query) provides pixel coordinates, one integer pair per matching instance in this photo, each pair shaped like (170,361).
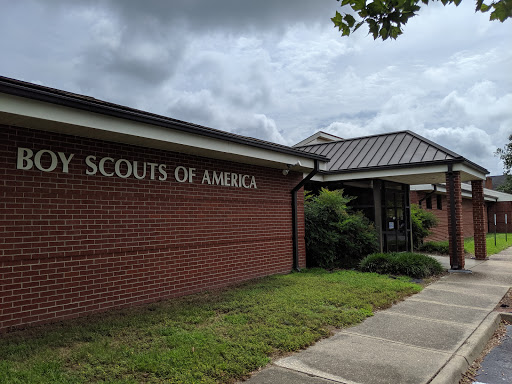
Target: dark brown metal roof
(390,150)
(87,103)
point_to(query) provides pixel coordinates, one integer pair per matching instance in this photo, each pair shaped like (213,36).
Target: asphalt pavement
(431,337)
(497,365)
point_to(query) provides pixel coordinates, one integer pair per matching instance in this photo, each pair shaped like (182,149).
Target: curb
(460,361)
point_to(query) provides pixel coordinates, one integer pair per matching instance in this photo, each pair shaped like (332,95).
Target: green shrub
(421,221)
(441,247)
(336,237)
(401,263)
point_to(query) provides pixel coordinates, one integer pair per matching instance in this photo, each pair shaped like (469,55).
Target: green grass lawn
(215,337)
(501,244)
(469,245)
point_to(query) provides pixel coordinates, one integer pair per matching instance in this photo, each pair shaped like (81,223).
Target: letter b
(25,159)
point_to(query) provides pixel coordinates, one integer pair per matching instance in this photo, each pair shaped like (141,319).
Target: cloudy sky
(274,70)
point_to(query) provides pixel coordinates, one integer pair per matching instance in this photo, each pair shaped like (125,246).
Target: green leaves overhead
(385,18)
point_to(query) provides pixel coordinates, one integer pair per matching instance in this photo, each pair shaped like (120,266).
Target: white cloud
(474,143)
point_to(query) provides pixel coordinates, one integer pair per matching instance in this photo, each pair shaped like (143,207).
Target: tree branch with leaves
(385,18)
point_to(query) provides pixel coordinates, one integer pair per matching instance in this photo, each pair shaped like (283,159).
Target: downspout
(295,231)
(428,195)
(453,218)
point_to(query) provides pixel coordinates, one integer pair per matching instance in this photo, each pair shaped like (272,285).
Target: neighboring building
(104,206)
(433,197)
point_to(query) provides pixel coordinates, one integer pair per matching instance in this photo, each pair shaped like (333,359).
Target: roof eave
(113,110)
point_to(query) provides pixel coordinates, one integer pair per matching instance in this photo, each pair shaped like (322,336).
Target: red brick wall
(440,232)
(73,243)
(456,235)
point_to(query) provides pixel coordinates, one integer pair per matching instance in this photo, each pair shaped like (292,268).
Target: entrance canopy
(390,163)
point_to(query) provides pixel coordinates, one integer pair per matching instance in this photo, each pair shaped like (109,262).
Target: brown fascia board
(55,96)
(458,160)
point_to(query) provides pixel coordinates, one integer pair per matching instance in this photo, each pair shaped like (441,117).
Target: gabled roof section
(391,150)
(318,138)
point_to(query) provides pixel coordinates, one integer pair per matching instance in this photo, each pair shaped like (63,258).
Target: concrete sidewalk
(431,337)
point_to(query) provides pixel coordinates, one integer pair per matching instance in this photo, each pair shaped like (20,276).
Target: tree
(506,186)
(385,18)
(505,154)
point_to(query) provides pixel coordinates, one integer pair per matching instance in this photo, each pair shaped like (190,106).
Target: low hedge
(441,247)
(409,264)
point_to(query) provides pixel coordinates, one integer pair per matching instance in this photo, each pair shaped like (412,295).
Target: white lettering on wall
(53,162)
(47,161)
(89,161)
(234,179)
(163,172)
(128,168)
(177,174)
(229,179)
(218,179)
(65,161)
(102,166)
(244,178)
(152,167)
(206,178)
(136,170)
(191,174)
(25,161)
(182,174)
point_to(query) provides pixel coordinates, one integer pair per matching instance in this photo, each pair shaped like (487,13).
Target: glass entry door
(396,229)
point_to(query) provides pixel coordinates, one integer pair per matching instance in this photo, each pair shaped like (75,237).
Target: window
(439,202)
(429,202)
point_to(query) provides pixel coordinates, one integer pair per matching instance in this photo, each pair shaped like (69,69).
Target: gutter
(295,231)
(454,257)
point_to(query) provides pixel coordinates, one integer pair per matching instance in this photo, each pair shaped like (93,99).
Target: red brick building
(432,197)
(104,206)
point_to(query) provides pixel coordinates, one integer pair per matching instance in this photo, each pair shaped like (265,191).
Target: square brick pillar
(477,188)
(454,211)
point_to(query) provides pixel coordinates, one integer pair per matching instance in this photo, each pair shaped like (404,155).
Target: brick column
(455,231)
(477,188)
